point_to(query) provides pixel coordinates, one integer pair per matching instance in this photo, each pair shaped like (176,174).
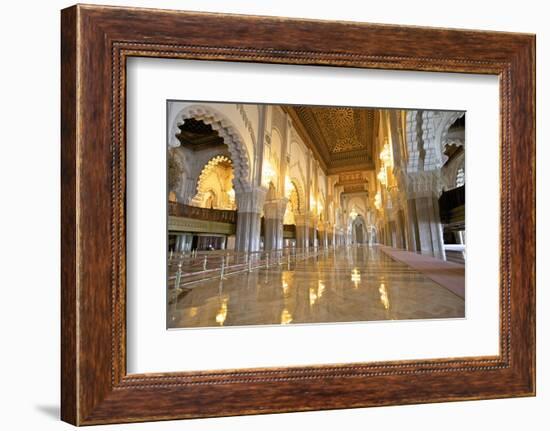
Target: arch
(227,132)
(301,194)
(372,234)
(276,143)
(271,192)
(204,191)
(459,177)
(426,137)
(210,199)
(447,121)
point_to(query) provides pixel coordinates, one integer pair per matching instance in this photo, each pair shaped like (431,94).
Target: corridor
(342,284)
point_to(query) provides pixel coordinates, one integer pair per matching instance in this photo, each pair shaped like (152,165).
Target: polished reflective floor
(346,285)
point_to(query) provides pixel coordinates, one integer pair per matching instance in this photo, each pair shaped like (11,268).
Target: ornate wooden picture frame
(96,41)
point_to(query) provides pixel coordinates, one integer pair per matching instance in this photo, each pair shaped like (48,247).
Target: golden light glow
(384,296)
(222,312)
(231,194)
(289,186)
(312,204)
(312,296)
(286,317)
(316,294)
(320,288)
(353,214)
(378,200)
(268,173)
(382,177)
(193,311)
(355,277)
(285,288)
(386,156)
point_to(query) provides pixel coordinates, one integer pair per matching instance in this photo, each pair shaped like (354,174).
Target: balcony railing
(181,210)
(187,270)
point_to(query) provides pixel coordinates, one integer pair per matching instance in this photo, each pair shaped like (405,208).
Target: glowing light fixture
(353,214)
(319,206)
(386,158)
(386,155)
(268,173)
(312,204)
(382,176)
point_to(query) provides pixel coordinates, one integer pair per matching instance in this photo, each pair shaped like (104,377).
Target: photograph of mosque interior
(294,214)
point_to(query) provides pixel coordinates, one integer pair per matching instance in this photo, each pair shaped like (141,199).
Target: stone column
(424,224)
(329,235)
(400,230)
(430,232)
(436,227)
(322,236)
(312,232)
(249,204)
(302,233)
(274,212)
(412,224)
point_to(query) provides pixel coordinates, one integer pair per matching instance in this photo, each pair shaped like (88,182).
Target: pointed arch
(227,131)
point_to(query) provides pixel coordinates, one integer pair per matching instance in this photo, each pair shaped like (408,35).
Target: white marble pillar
(249,204)
(430,232)
(302,233)
(412,226)
(312,227)
(274,212)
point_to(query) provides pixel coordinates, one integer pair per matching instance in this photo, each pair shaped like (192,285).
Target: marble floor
(343,285)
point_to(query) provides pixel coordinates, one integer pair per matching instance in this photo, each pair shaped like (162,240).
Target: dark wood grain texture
(95,43)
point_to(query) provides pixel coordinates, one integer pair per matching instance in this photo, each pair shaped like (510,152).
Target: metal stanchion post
(178,276)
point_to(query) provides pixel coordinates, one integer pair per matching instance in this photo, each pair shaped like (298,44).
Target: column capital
(423,184)
(275,208)
(301,219)
(251,200)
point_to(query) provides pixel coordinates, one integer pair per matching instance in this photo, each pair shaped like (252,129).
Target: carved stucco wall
(230,123)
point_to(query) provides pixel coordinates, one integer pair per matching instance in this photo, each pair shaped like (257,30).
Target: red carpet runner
(447,274)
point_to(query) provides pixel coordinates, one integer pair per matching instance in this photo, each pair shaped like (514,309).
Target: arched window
(460,176)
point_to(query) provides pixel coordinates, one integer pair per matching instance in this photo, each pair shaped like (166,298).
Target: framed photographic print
(269,215)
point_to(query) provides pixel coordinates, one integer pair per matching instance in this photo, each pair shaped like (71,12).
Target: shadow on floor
(52,411)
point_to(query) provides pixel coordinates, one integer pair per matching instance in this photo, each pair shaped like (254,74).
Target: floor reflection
(357,284)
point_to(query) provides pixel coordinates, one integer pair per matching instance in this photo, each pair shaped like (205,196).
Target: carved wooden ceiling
(342,137)
(353,182)
(196,135)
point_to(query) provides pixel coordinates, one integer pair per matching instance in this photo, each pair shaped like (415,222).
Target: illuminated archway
(215,185)
(226,131)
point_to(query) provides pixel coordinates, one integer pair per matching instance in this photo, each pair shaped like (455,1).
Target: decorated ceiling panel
(343,136)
